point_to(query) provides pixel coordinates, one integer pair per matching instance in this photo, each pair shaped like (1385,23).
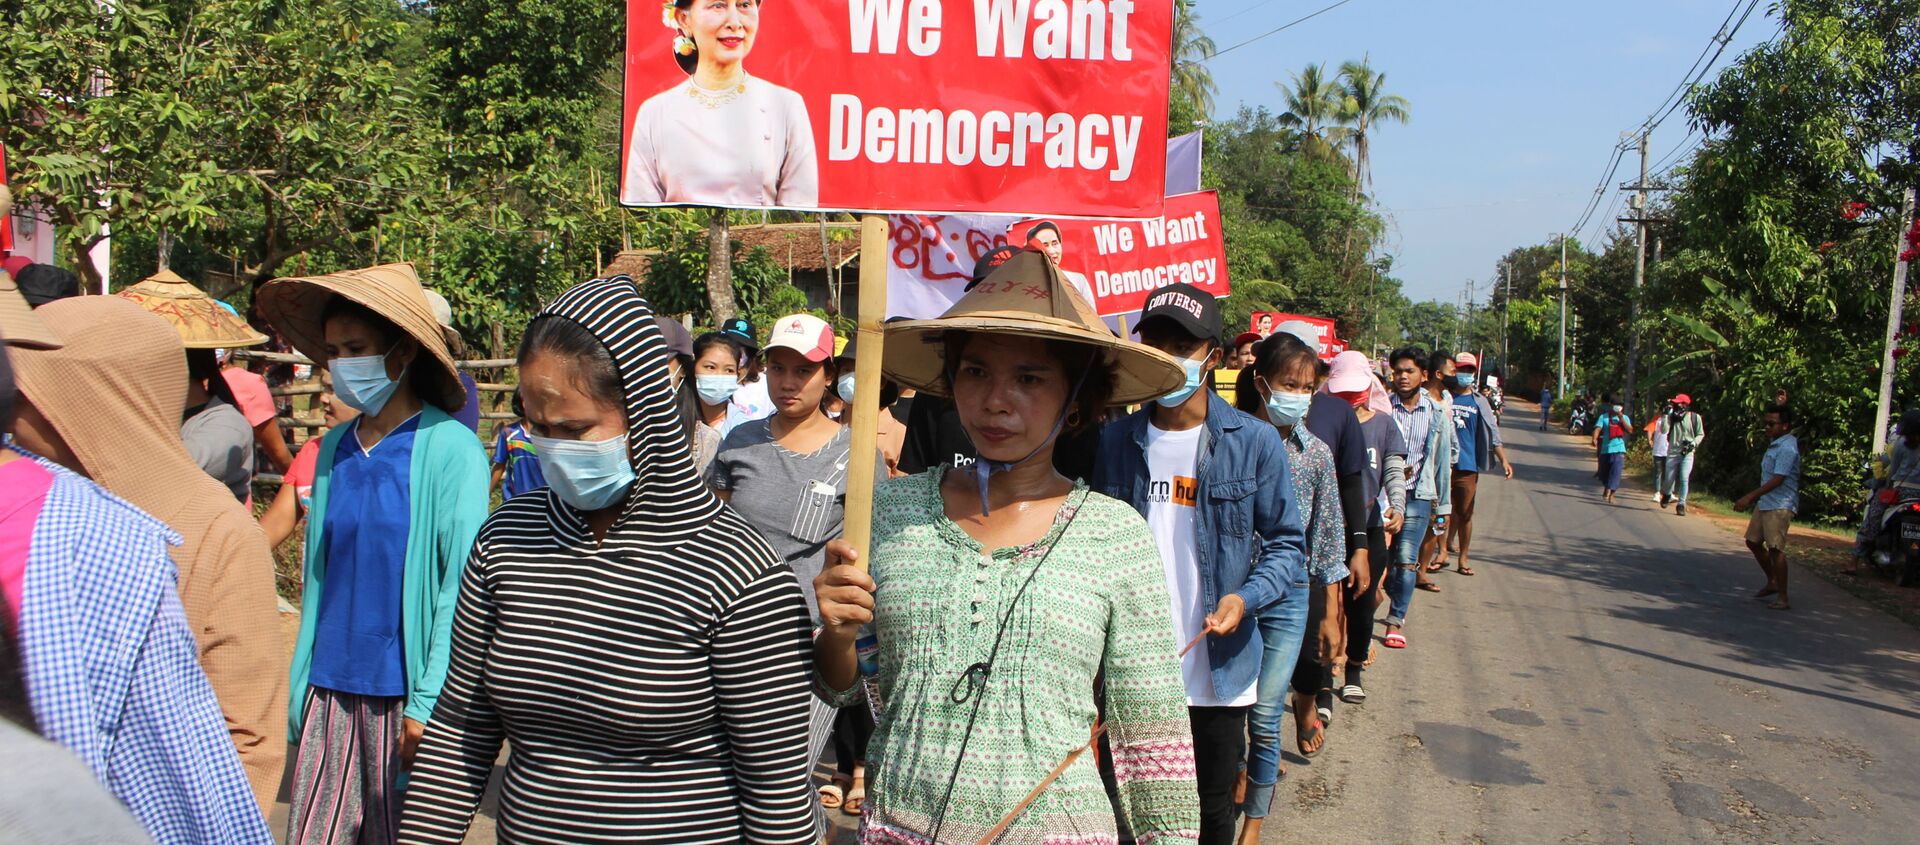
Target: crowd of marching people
(1094,588)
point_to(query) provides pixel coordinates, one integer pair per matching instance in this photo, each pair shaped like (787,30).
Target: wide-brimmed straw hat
(1026,297)
(17,323)
(199,318)
(296,305)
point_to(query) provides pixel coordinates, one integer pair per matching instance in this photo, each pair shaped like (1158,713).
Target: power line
(1257,6)
(1282,28)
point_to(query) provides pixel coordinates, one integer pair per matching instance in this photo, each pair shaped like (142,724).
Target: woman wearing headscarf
(637,644)
(998,593)
(108,406)
(398,494)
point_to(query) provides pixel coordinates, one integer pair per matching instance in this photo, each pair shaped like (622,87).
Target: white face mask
(844,387)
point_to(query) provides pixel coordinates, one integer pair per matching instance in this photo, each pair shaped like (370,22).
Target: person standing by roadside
(1214,487)
(1294,635)
(1685,430)
(1431,442)
(399,493)
(1610,434)
(636,646)
(1773,503)
(107,406)
(1480,447)
(516,461)
(1546,407)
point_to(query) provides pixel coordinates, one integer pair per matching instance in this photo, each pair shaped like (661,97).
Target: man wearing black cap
(1214,487)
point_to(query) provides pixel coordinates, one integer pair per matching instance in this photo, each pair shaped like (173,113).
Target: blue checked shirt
(112,671)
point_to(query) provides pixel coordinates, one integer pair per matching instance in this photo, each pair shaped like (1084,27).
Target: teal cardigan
(448,502)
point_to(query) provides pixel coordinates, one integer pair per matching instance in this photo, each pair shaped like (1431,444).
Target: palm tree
(1191,49)
(1313,107)
(1365,104)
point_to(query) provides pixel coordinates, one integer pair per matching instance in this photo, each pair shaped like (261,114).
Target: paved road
(1606,678)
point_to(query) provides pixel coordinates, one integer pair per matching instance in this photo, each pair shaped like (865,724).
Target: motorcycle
(1577,423)
(1896,548)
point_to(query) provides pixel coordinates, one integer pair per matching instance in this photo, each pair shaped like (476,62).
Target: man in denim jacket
(1214,487)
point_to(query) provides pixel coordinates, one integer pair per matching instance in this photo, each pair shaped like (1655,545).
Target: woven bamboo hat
(198,317)
(1026,297)
(17,323)
(295,306)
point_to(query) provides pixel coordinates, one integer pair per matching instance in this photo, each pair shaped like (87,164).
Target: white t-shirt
(1660,437)
(750,402)
(1172,493)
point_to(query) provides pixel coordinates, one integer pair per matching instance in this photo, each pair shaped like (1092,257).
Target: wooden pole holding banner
(861,465)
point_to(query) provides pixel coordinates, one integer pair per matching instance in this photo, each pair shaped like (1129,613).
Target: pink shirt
(23,491)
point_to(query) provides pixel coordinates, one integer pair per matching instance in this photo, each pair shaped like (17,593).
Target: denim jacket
(1252,542)
(1434,482)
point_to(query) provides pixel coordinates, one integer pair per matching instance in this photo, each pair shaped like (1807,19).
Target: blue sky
(1516,107)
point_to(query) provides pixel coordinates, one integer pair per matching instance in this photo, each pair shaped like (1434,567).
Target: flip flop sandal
(1353,694)
(1464,570)
(855,800)
(1318,736)
(1436,566)
(1429,586)
(1395,640)
(831,796)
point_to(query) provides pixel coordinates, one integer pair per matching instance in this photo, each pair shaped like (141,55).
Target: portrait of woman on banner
(722,137)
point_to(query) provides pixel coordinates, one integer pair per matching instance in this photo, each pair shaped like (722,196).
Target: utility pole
(1563,316)
(1884,410)
(1506,313)
(1640,222)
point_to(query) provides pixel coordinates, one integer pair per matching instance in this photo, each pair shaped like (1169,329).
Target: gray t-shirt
(48,796)
(221,442)
(1383,438)
(797,501)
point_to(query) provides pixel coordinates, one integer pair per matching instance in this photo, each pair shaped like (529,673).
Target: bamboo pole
(862,464)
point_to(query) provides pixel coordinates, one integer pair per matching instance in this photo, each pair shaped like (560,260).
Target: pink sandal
(1396,640)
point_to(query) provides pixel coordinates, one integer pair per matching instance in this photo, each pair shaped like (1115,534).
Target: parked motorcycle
(1896,551)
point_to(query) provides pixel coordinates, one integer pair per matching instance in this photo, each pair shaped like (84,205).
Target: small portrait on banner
(1046,235)
(721,136)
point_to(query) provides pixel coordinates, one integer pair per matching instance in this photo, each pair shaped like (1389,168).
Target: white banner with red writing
(966,106)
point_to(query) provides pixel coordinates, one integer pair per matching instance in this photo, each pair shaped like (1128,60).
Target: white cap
(442,310)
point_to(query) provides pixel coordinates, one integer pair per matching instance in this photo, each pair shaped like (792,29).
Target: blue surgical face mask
(845,387)
(1195,377)
(715,390)
(1288,408)
(587,474)
(362,383)
(1463,380)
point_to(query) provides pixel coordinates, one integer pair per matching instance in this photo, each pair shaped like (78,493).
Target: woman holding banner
(1007,589)
(722,137)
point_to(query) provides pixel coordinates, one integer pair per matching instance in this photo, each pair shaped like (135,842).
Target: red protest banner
(1007,106)
(1320,328)
(1116,263)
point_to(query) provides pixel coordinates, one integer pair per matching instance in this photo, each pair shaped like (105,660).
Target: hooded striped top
(654,685)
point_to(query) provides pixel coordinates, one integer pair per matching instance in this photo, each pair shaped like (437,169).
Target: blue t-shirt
(1783,459)
(1466,420)
(515,449)
(356,641)
(469,414)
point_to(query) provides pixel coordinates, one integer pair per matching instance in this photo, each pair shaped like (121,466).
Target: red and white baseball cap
(803,333)
(1466,359)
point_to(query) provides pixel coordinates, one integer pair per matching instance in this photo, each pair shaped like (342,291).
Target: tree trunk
(719,268)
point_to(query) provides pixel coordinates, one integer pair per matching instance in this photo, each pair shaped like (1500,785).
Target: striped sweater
(654,686)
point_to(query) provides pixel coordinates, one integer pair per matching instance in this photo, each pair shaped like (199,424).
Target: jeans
(1679,471)
(1406,561)
(1219,744)
(1660,475)
(1283,630)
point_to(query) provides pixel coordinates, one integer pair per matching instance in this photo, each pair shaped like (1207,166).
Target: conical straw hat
(199,319)
(1026,297)
(295,307)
